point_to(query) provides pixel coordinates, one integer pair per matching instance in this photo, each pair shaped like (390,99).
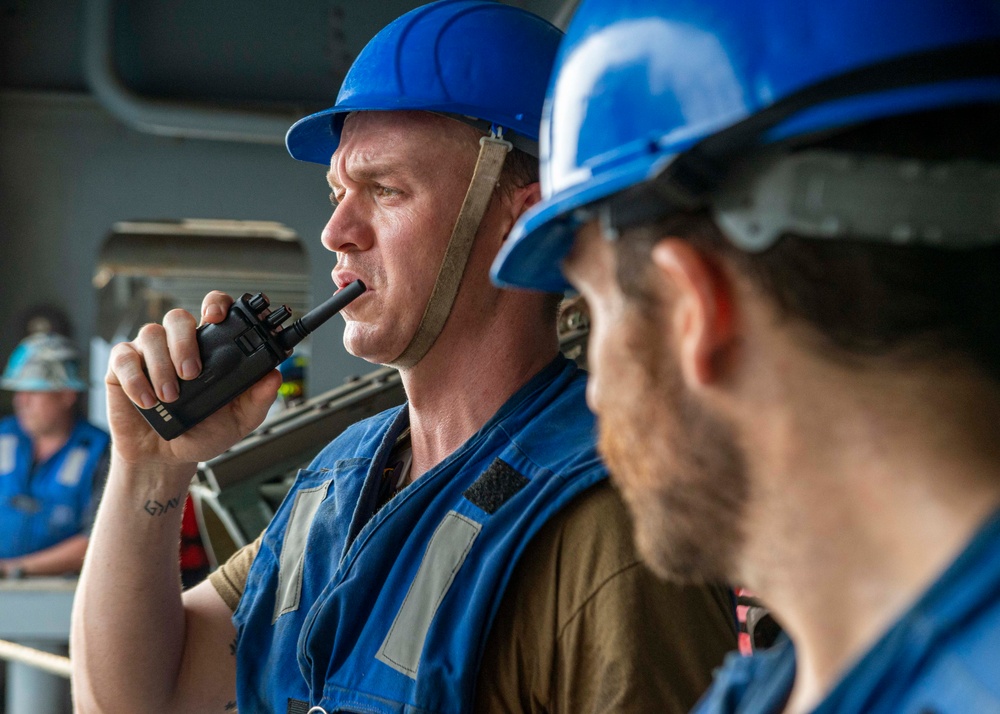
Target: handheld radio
(236,353)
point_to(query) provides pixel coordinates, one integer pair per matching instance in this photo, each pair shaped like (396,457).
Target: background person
(785,217)
(52,461)
(460,553)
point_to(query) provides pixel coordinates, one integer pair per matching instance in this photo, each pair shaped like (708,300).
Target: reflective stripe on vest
(72,467)
(444,556)
(293,553)
(8,453)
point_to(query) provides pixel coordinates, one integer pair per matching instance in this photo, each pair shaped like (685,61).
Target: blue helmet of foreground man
(43,363)
(479,61)
(651,102)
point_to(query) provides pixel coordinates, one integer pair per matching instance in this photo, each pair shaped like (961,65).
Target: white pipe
(166,118)
(47,661)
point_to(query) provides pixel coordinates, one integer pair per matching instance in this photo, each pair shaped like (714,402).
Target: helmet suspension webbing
(492,153)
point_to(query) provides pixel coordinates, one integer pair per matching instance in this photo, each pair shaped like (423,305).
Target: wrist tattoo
(231,706)
(155,508)
(232,646)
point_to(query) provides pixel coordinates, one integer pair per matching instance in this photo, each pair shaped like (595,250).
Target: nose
(348,230)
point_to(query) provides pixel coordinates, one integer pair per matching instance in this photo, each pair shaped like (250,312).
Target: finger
(125,370)
(182,343)
(151,344)
(214,306)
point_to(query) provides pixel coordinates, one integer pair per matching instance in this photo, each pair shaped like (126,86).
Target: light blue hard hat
(472,59)
(645,89)
(43,363)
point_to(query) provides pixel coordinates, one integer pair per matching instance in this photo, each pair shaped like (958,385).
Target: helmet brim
(314,138)
(41,385)
(533,253)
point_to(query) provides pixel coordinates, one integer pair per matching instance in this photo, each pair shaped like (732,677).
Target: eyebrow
(368,169)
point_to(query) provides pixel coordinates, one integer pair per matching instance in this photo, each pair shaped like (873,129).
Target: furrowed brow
(366,169)
(371,172)
(363,174)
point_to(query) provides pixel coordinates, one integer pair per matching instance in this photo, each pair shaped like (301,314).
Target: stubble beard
(678,466)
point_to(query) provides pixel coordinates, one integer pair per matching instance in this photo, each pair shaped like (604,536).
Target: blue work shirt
(44,504)
(941,657)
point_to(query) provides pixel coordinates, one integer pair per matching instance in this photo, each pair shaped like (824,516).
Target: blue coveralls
(357,609)
(53,501)
(941,657)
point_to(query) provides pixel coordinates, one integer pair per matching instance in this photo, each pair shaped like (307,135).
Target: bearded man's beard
(679,467)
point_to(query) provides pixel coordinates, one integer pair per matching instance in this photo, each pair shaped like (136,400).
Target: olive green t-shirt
(583,625)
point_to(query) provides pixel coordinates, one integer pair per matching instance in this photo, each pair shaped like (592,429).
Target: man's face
(678,466)
(398,180)
(44,413)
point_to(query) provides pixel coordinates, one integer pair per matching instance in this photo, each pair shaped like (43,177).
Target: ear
(701,307)
(521,200)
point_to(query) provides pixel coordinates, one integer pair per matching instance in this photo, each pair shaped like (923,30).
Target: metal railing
(52,663)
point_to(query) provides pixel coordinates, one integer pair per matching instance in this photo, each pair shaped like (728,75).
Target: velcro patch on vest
(297,706)
(497,485)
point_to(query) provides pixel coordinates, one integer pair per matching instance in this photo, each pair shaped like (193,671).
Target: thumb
(264,392)
(251,407)
(261,395)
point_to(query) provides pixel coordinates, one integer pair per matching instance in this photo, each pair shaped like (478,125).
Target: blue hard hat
(473,59)
(644,89)
(43,363)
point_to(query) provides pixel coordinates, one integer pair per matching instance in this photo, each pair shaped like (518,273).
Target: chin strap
(492,153)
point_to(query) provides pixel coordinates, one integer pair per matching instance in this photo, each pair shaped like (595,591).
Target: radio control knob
(258,303)
(277,317)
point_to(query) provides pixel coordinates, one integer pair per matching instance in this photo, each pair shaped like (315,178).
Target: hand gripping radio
(236,353)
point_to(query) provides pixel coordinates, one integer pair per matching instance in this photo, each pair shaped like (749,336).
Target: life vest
(43,506)
(353,608)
